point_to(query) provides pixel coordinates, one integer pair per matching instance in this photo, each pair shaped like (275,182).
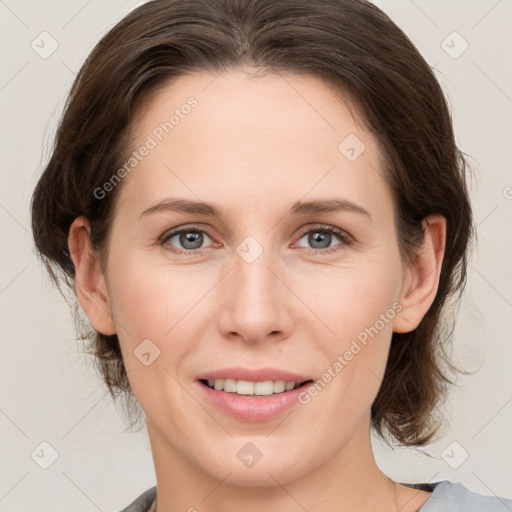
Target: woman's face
(263,292)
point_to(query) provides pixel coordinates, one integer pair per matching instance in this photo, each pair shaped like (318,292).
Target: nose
(256,304)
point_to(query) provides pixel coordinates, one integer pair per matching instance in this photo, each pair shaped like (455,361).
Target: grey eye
(319,239)
(189,239)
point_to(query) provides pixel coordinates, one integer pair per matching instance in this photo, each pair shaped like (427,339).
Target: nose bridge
(253,298)
(252,276)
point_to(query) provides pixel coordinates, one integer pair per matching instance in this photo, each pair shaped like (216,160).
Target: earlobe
(422,281)
(90,282)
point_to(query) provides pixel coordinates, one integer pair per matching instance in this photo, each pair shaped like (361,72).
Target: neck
(348,480)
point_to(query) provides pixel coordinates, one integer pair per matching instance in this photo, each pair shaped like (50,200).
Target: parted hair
(364,57)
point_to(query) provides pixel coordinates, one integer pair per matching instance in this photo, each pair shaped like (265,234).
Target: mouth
(253,389)
(251,394)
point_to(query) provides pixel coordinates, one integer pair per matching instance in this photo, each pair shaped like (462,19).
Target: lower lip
(251,408)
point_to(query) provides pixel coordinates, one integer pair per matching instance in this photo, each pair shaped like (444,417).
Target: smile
(246,387)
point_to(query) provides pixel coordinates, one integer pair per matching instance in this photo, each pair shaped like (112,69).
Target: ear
(422,276)
(90,283)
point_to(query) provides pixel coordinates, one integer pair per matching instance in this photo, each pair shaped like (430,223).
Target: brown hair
(362,55)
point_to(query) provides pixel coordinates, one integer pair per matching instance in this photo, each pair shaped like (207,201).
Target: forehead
(246,102)
(261,132)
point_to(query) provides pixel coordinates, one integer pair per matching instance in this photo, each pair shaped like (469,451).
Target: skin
(253,146)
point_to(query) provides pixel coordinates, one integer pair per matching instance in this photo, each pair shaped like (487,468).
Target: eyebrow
(181,205)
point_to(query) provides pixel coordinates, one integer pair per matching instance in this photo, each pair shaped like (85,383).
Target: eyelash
(345,238)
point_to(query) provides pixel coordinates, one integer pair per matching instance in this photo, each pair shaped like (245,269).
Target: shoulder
(445,496)
(455,497)
(143,502)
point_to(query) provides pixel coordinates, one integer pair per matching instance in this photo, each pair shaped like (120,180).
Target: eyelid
(327,227)
(186,227)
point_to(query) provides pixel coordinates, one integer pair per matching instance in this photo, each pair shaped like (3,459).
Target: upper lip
(253,375)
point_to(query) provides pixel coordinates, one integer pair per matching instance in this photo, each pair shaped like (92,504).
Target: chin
(263,476)
(273,467)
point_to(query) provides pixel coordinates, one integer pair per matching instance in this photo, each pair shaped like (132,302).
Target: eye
(190,239)
(320,239)
(187,239)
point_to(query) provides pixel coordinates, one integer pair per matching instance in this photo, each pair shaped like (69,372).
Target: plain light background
(50,392)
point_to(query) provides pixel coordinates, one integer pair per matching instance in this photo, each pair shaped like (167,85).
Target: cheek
(150,299)
(151,303)
(349,301)
(358,306)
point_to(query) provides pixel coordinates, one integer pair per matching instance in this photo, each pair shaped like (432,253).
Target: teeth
(280,386)
(245,387)
(289,386)
(230,385)
(264,388)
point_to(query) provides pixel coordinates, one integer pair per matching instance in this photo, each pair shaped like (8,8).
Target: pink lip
(250,408)
(259,375)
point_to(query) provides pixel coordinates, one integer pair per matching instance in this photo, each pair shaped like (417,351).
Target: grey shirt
(446,497)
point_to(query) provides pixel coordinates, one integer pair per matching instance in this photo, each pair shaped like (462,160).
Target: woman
(263,213)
